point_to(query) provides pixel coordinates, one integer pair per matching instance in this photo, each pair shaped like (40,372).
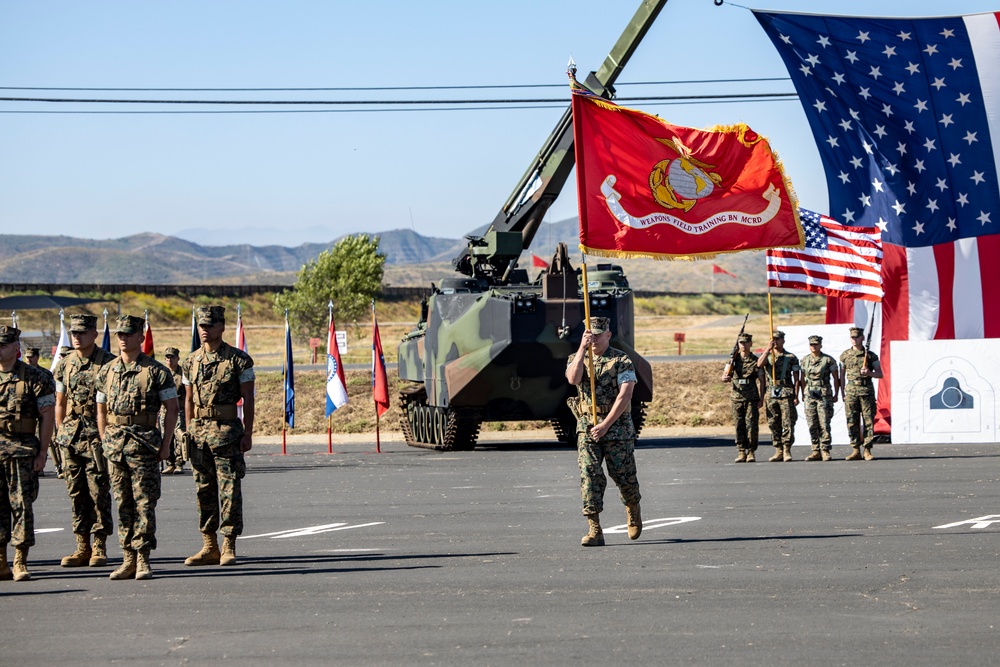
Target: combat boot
(741,457)
(81,556)
(634,521)
(209,554)
(21,563)
(786,453)
(815,455)
(827,455)
(142,569)
(99,554)
(170,469)
(595,538)
(855,455)
(751,457)
(5,573)
(228,550)
(868,454)
(127,569)
(778,455)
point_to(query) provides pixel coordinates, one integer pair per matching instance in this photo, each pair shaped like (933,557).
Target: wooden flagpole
(590,349)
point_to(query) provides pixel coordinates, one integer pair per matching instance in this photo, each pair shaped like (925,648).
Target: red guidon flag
(647,188)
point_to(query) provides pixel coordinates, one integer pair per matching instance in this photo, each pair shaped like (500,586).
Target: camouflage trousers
(136,482)
(860,411)
(89,494)
(620,458)
(220,492)
(746,417)
(781,417)
(18,490)
(819,415)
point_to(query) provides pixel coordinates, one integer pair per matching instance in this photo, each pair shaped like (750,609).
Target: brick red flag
(538,263)
(718,269)
(147,339)
(647,188)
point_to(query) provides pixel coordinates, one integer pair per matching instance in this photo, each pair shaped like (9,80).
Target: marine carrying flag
(647,188)
(380,382)
(288,372)
(336,385)
(903,112)
(837,260)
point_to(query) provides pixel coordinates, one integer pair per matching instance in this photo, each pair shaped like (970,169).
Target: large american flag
(836,261)
(904,113)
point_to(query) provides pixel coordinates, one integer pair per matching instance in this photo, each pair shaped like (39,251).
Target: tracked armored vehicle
(492,345)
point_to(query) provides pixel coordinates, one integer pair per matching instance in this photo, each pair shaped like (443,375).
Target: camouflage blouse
(119,388)
(76,380)
(817,373)
(216,379)
(613,369)
(786,369)
(852,360)
(38,391)
(745,374)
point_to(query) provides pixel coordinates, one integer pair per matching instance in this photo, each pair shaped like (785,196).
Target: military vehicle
(492,346)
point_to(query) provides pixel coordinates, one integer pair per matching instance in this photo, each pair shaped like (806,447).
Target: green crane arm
(514,227)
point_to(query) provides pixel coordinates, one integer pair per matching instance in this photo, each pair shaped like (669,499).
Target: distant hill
(157,259)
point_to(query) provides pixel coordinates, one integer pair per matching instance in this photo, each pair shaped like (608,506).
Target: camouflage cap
(778,334)
(129,324)
(599,325)
(31,352)
(64,350)
(171,352)
(209,315)
(815,340)
(82,323)
(9,334)
(745,338)
(857,332)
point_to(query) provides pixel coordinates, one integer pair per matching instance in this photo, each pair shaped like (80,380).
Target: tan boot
(209,554)
(595,538)
(815,455)
(741,457)
(634,521)
(778,455)
(5,573)
(827,455)
(127,569)
(142,569)
(868,454)
(751,457)
(228,550)
(786,453)
(81,556)
(854,456)
(99,554)
(170,470)
(21,563)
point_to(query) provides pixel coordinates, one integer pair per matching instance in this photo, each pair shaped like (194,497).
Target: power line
(383,88)
(654,98)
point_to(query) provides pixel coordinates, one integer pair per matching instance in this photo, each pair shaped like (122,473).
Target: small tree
(349,275)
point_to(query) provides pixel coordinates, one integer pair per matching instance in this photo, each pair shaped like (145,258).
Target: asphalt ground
(474,558)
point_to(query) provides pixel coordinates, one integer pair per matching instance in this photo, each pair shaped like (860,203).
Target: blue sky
(292,177)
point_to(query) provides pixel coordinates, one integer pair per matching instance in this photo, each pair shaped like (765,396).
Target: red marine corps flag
(647,188)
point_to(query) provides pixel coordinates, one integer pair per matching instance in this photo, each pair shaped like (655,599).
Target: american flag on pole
(903,112)
(836,260)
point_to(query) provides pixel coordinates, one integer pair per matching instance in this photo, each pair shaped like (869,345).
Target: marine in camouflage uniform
(817,371)
(782,376)
(217,376)
(859,394)
(31,357)
(130,393)
(748,389)
(86,472)
(175,462)
(612,439)
(27,396)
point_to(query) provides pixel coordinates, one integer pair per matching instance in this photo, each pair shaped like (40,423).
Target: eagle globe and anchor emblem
(680,182)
